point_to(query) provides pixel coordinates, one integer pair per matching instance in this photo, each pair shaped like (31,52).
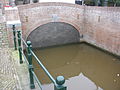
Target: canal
(83,66)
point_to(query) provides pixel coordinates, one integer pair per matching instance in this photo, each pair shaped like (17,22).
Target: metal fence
(58,82)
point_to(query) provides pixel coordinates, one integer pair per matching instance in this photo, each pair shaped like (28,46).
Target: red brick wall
(102,27)
(12,18)
(34,15)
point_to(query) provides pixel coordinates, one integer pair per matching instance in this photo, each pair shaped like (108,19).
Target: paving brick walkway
(3,36)
(8,76)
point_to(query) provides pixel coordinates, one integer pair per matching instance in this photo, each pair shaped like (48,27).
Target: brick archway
(90,21)
(42,23)
(53,33)
(34,15)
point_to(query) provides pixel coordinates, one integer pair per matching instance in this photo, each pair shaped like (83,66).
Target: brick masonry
(52,12)
(100,26)
(54,33)
(12,18)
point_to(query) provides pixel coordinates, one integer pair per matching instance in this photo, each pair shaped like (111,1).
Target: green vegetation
(115,3)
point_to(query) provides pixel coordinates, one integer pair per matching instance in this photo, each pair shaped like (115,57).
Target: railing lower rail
(58,83)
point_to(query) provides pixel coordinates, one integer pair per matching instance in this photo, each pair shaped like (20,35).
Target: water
(84,67)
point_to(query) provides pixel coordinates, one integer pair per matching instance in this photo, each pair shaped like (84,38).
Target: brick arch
(86,19)
(46,22)
(35,15)
(53,33)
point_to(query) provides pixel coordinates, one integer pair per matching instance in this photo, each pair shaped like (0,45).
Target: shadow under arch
(53,33)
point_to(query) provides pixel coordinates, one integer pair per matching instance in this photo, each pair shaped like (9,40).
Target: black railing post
(19,46)
(32,86)
(14,36)
(60,80)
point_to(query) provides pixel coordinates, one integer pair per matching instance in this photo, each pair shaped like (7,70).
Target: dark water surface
(84,67)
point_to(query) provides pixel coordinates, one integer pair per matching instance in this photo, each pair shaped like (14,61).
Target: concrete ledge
(11,8)
(16,23)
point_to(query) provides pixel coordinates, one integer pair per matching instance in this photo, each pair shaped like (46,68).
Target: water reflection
(98,68)
(80,82)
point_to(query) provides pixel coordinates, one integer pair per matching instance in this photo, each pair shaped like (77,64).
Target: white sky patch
(65,1)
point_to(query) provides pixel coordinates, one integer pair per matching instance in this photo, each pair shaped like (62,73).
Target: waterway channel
(83,66)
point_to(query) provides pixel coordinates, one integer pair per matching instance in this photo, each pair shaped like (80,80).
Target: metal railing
(58,83)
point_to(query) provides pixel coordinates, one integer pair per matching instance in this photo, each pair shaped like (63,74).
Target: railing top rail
(24,42)
(39,83)
(25,58)
(39,62)
(43,67)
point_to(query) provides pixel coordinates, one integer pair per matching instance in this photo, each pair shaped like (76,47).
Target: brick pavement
(13,75)
(8,76)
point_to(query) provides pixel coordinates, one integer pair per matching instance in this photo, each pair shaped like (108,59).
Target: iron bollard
(60,80)
(14,36)
(19,46)
(32,86)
